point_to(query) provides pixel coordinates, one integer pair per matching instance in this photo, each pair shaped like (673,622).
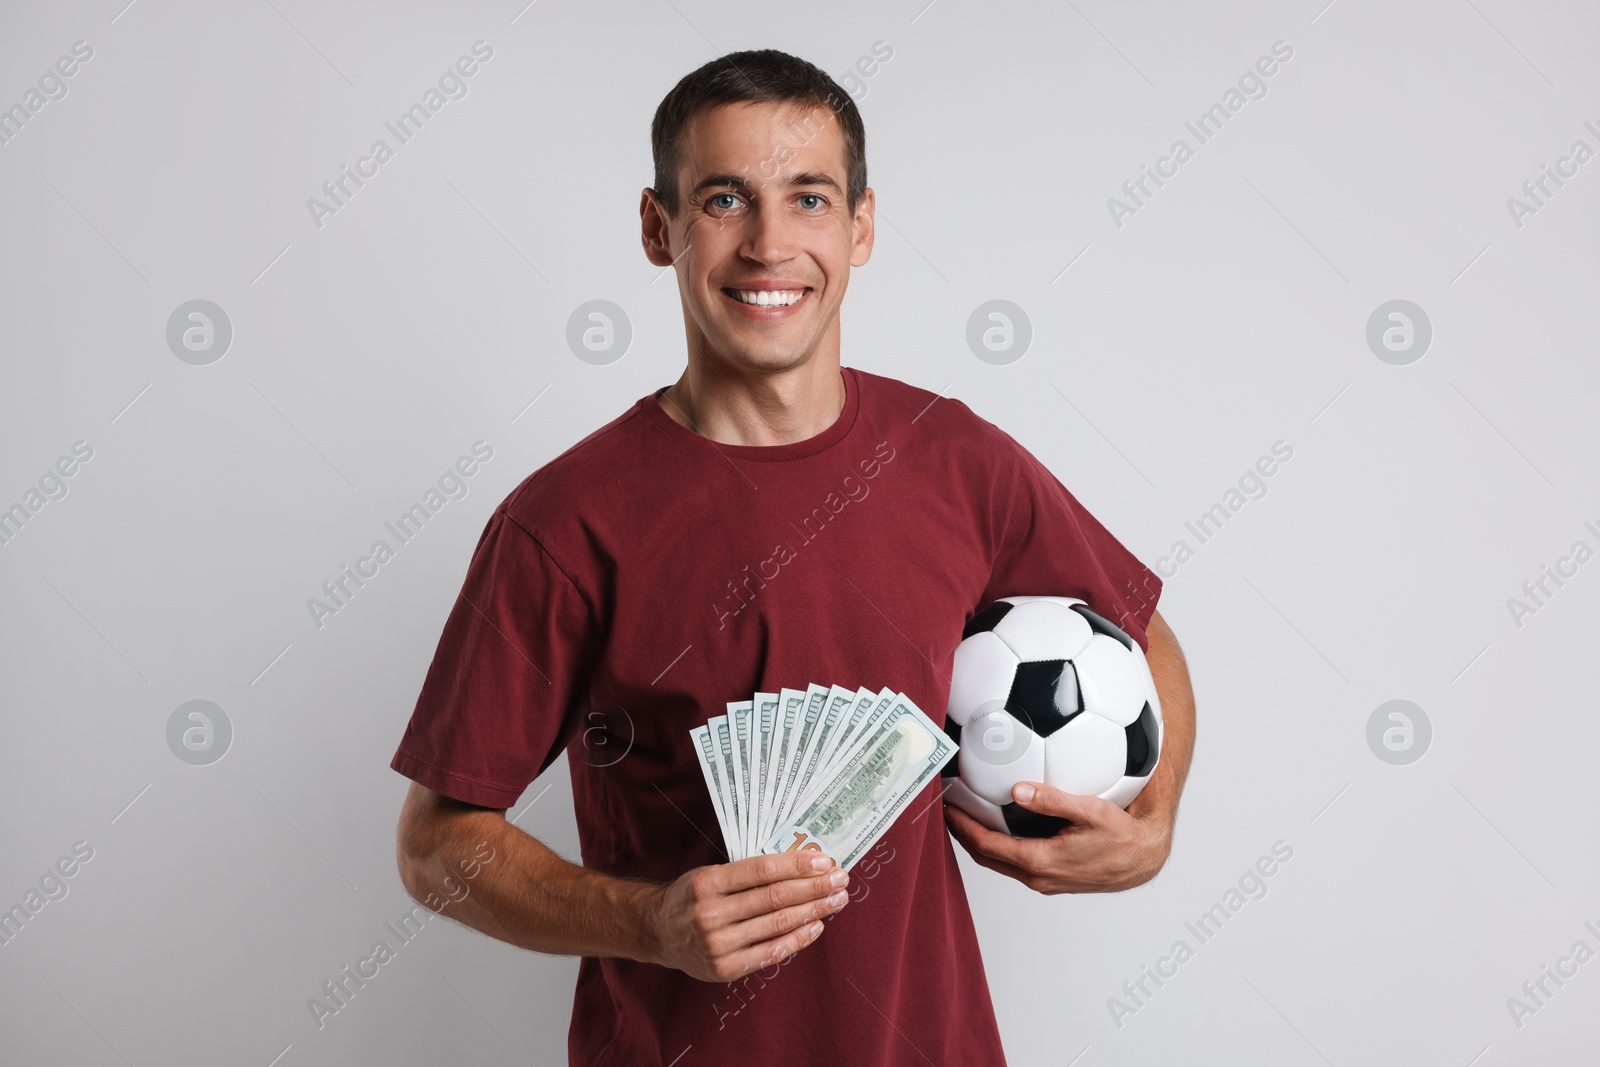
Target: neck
(736,407)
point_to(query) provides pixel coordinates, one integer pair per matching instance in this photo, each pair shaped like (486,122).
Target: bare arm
(1105,849)
(715,923)
(1159,798)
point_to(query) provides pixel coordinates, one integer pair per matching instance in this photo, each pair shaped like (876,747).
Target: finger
(962,833)
(774,924)
(961,829)
(1001,867)
(1096,824)
(776,896)
(1048,800)
(1061,883)
(755,871)
(971,833)
(979,839)
(960,823)
(1069,853)
(759,870)
(976,837)
(761,956)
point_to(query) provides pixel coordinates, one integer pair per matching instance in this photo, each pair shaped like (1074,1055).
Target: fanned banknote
(739,713)
(710,766)
(766,719)
(824,768)
(902,752)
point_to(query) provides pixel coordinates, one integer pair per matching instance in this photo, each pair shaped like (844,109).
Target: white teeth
(768,297)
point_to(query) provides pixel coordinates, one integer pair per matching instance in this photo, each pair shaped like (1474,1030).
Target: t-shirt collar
(841,428)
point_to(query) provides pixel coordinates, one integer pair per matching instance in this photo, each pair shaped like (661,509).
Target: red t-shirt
(631,587)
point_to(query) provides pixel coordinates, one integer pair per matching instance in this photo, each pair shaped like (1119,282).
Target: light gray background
(369,354)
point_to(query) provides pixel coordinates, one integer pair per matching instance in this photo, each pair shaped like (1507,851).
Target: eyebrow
(717,181)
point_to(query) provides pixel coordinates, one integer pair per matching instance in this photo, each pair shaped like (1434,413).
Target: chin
(766,359)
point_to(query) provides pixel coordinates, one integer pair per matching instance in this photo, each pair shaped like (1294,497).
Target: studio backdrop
(1297,299)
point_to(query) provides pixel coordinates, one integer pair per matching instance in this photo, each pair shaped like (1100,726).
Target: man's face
(763,240)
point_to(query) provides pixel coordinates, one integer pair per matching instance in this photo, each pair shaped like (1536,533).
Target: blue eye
(812,196)
(724,196)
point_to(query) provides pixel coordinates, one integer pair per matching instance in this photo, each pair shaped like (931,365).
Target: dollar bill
(837,700)
(861,712)
(709,767)
(811,719)
(853,718)
(722,745)
(739,713)
(876,711)
(791,709)
(766,718)
(901,753)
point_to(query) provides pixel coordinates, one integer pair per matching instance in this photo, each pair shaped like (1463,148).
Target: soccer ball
(1045,690)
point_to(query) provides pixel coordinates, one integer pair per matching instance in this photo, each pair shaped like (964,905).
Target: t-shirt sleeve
(1052,546)
(499,699)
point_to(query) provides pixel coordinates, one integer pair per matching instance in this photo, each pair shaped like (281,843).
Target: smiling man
(768,520)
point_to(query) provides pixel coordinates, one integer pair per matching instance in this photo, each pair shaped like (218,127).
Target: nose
(769,235)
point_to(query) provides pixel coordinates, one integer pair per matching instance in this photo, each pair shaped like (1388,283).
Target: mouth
(765,304)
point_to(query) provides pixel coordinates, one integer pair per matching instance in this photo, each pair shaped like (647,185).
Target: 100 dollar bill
(705,750)
(901,752)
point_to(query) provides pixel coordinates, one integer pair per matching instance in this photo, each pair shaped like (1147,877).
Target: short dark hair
(762,76)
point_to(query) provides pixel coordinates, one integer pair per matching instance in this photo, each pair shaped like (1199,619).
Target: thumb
(1048,800)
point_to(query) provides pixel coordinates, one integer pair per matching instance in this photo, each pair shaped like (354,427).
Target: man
(768,520)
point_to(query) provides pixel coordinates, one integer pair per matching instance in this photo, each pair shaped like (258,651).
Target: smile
(773,300)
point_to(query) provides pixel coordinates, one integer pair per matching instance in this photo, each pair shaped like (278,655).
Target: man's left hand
(1105,849)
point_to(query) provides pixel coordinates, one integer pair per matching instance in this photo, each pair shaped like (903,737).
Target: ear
(864,227)
(655,232)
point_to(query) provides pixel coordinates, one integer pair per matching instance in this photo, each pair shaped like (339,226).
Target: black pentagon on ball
(1101,625)
(1034,688)
(952,766)
(1024,823)
(1143,744)
(987,619)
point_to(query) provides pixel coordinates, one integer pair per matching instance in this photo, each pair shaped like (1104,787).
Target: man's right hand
(722,922)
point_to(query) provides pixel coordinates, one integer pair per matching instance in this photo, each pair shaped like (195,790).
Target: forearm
(523,893)
(1160,795)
